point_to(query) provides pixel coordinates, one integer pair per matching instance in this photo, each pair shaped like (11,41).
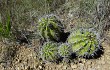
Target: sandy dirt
(26,59)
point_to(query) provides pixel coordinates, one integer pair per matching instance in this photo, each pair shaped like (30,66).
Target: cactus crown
(64,50)
(50,28)
(49,51)
(84,42)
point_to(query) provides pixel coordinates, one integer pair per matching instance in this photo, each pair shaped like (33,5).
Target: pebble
(83,60)
(98,67)
(60,65)
(108,57)
(89,63)
(74,66)
(81,66)
(65,67)
(102,62)
(40,67)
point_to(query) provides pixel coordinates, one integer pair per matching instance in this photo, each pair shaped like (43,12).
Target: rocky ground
(26,58)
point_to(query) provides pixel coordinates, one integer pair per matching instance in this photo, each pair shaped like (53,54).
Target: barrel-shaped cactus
(84,42)
(49,51)
(65,50)
(50,28)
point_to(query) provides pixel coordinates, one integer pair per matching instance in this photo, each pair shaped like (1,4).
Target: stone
(74,66)
(65,67)
(40,67)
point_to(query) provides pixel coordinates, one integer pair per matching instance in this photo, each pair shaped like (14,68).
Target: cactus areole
(50,28)
(84,42)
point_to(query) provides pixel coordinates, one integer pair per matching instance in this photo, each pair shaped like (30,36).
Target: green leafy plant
(50,28)
(49,51)
(5,29)
(65,50)
(84,42)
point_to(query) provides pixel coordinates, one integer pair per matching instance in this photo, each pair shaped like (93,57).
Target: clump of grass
(5,30)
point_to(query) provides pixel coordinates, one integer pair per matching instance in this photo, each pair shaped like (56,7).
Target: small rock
(83,60)
(102,62)
(89,63)
(65,67)
(40,67)
(74,66)
(81,66)
(60,65)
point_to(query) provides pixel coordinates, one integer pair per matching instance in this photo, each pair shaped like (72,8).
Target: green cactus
(50,28)
(49,51)
(84,42)
(64,50)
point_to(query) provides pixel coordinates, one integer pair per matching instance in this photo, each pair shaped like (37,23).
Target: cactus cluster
(50,28)
(82,42)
